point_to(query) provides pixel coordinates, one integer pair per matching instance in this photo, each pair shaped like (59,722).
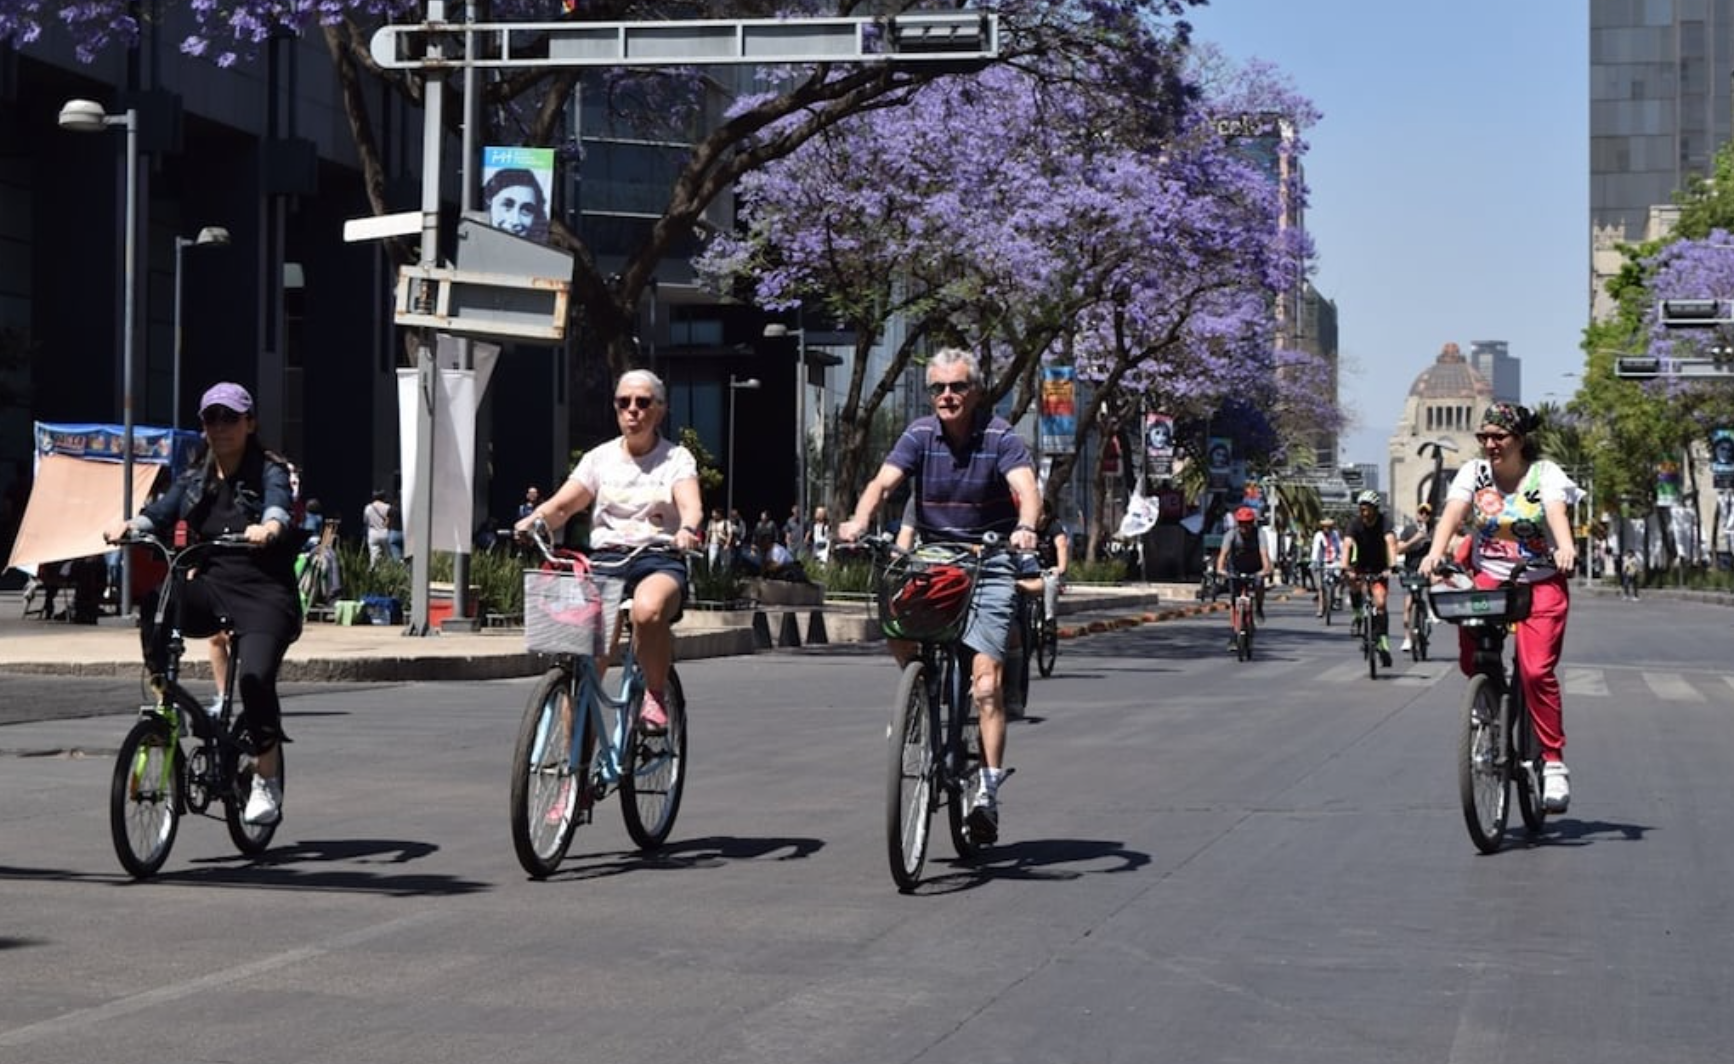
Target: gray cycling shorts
(988,628)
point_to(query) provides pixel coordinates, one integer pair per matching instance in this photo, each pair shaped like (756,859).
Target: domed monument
(1443,405)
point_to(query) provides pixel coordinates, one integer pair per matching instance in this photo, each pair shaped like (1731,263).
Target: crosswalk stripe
(1584,682)
(1671,687)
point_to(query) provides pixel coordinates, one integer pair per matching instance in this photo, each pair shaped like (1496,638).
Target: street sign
(378,227)
(1696,313)
(1636,366)
(1645,368)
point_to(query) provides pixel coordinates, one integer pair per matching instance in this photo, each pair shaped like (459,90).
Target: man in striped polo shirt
(973,475)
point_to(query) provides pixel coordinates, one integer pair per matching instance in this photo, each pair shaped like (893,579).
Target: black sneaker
(983,823)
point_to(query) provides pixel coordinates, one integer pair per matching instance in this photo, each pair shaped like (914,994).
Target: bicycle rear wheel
(653,772)
(1525,755)
(549,791)
(250,839)
(1047,648)
(1482,770)
(909,779)
(145,797)
(964,781)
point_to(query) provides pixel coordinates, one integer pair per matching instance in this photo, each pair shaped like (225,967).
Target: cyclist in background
(1326,554)
(1054,554)
(1243,554)
(1417,537)
(1372,554)
(968,465)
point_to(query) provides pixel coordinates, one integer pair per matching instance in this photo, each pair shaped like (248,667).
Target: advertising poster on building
(1059,405)
(1722,459)
(1159,445)
(517,186)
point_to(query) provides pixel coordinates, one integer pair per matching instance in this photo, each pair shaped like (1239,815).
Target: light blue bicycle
(581,738)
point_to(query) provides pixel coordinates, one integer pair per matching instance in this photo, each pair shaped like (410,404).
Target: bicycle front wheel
(1482,770)
(1370,642)
(1526,766)
(250,839)
(145,797)
(653,771)
(549,790)
(909,778)
(964,783)
(1047,648)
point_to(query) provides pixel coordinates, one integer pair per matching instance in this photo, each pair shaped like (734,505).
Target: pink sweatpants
(1538,644)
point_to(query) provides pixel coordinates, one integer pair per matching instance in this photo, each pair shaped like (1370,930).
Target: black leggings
(261,629)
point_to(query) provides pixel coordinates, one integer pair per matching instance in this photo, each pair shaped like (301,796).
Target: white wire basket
(569,612)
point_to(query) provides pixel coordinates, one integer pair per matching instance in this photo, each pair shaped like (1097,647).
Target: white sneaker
(265,805)
(1555,787)
(1407,644)
(215,709)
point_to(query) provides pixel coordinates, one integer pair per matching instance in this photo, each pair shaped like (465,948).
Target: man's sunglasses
(627,402)
(220,415)
(939,388)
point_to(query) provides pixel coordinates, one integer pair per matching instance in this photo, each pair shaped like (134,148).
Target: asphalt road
(1201,861)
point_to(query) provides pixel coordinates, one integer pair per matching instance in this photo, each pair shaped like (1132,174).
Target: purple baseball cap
(226,394)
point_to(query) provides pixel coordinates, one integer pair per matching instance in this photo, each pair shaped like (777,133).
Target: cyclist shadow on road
(329,864)
(1561,831)
(685,854)
(1034,860)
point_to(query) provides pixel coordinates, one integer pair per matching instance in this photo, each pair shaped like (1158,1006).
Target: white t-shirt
(1505,528)
(634,495)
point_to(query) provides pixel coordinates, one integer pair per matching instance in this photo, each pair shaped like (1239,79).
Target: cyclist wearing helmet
(1243,553)
(1372,551)
(973,476)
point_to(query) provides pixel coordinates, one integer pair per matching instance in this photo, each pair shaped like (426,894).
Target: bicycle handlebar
(543,538)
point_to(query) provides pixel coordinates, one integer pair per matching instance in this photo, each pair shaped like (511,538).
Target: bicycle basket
(925,595)
(563,613)
(1497,605)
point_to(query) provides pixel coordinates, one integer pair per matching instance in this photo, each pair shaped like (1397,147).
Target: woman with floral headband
(1512,505)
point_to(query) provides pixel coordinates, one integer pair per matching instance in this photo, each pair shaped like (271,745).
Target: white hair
(644,376)
(954,356)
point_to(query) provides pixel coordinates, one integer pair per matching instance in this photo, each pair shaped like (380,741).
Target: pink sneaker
(557,811)
(652,716)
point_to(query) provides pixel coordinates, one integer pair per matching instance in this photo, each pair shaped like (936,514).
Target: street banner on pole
(517,185)
(1159,445)
(1059,422)
(1722,459)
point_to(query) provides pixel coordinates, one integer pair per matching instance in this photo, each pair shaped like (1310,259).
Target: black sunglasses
(220,415)
(627,402)
(1492,437)
(939,388)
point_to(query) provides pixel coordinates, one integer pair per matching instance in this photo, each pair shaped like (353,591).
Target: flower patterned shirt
(1504,528)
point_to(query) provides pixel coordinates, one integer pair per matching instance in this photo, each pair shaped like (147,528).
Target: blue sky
(1449,182)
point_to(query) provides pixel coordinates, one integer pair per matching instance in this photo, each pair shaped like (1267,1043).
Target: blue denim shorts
(988,628)
(607,566)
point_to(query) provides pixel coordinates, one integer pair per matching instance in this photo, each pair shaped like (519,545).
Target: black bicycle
(179,758)
(1497,747)
(1041,637)
(923,596)
(1420,619)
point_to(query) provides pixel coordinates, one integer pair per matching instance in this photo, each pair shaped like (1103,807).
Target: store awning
(71,502)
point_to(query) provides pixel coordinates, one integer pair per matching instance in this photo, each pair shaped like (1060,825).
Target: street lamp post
(88,116)
(735,385)
(209,236)
(1436,489)
(776,330)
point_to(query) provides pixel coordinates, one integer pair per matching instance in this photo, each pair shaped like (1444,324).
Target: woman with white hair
(645,491)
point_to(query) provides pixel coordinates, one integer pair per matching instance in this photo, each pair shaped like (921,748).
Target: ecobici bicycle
(1497,747)
(581,739)
(1331,581)
(1420,620)
(923,595)
(179,758)
(1242,587)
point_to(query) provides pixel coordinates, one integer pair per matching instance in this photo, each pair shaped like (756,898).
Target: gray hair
(644,376)
(954,356)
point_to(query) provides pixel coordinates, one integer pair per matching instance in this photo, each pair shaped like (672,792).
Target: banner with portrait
(1722,459)
(1158,445)
(1058,417)
(517,190)
(1668,484)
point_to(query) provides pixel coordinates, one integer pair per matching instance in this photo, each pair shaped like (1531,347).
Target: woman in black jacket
(238,487)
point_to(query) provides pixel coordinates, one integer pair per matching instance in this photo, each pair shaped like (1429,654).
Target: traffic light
(1642,367)
(1696,313)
